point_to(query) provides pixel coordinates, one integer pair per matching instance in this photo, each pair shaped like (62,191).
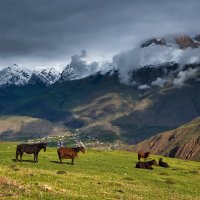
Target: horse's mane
(41,144)
(77,149)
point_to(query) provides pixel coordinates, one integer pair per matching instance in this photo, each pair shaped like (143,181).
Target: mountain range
(19,76)
(130,100)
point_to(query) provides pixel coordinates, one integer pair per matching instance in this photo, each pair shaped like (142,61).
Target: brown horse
(146,165)
(30,149)
(69,153)
(144,155)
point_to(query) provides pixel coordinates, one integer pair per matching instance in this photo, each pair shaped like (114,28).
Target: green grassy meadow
(97,174)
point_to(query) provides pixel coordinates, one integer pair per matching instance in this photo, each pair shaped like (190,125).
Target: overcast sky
(49,32)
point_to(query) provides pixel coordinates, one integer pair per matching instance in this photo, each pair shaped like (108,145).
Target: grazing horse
(69,153)
(146,165)
(30,149)
(163,164)
(144,155)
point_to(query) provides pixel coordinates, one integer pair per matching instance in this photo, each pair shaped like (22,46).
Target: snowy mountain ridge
(19,76)
(154,53)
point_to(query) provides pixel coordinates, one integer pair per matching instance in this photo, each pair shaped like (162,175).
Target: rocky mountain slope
(103,105)
(181,41)
(182,142)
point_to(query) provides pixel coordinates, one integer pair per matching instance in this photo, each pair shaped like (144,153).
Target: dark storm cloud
(49,31)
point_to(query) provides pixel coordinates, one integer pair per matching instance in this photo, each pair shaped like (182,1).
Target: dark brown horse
(30,149)
(144,155)
(146,165)
(163,164)
(69,153)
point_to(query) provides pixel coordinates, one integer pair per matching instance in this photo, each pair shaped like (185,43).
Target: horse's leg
(72,161)
(16,155)
(36,157)
(59,155)
(150,167)
(21,156)
(139,157)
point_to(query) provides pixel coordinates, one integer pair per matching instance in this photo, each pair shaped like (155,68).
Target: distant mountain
(149,55)
(181,41)
(197,37)
(45,76)
(102,107)
(19,76)
(69,74)
(182,142)
(157,97)
(14,76)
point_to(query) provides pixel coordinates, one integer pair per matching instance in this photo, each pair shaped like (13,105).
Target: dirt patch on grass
(193,172)
(46,188)
(175,169)
(14,168)
(61,172)
(164,174)
(9,187)
(128,179)
(170,181)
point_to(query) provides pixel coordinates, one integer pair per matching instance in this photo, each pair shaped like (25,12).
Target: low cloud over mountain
(157,52)
(80,66)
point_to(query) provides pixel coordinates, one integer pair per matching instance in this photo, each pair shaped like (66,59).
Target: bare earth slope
(183,142)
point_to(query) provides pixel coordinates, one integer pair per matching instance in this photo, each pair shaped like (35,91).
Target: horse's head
(153,162)
(82,149)
(44,146)
(147,153)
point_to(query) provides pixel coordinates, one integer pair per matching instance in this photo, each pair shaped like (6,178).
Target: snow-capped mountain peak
(180,41)
(48,76)
(18,76)
(14,75)
(69,74)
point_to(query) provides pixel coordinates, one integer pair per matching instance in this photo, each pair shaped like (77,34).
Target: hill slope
(183,142)
(23,128)
(103,107)
(95,175)
(129,99)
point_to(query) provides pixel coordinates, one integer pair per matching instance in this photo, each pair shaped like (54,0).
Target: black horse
(163,164)
(146,165)
(30,149)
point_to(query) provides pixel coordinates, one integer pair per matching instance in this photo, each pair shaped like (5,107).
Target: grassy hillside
(182,142)
(24,127)
(95,175)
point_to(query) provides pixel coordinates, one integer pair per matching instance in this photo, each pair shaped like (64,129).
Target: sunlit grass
(95,175)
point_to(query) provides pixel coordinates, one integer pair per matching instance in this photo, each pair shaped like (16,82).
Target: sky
(49,33)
